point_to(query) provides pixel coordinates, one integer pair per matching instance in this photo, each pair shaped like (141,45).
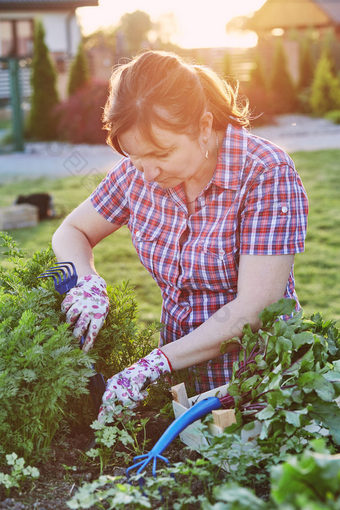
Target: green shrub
(43,373)
(121,342)
(79,71)
(325,94)
(333,116)
(282,89)
(41,121)
(41,365)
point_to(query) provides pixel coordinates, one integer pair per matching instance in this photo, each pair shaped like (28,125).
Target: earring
(206,154)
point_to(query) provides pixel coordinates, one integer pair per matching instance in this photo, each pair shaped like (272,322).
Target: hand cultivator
(197,411)
(194,413)
(65,277)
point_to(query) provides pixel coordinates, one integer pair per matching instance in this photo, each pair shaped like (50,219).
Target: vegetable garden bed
(287,379)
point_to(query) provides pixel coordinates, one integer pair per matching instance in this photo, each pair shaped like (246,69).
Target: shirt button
(284,209)
(138,233)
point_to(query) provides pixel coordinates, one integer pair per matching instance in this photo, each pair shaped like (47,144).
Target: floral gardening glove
(128,387)
(86,306)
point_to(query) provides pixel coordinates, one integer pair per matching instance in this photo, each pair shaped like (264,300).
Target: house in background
(287,17)
(61,27)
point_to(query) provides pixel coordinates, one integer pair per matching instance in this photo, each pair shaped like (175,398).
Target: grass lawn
(317,271)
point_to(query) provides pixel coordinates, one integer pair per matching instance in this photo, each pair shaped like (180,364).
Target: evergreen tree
(306,66)
(41,123)
(282,90)
(79,71)
(135,27)
(325,94)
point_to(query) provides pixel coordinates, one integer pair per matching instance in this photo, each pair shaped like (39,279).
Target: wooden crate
(18,216)
(222,418)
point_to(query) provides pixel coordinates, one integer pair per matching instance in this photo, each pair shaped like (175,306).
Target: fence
(15,89)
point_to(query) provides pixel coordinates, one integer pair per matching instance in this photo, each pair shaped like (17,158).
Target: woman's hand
(128,387)
(86,306)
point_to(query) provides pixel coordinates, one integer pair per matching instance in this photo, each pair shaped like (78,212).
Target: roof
(288,14)
(331,8)
(23,5)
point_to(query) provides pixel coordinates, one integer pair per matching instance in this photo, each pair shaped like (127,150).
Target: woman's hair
(159,88)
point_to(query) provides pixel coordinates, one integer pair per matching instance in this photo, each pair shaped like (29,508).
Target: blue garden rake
(65,277)
(194,413)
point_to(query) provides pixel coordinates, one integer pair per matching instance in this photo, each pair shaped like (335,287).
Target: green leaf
(266,413)
(306,382)
(281,307)
(244,498)
(328,415)
(310,381)
(301,339)
(249,383)
(324,388)
(282,345)
(294,417)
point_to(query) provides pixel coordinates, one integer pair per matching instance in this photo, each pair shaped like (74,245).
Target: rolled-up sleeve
(110,198)
(274,217)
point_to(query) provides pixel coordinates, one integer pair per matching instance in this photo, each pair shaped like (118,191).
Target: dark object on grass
(65,277)
(43,201)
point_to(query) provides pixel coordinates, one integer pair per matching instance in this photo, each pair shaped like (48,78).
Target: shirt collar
(231,158)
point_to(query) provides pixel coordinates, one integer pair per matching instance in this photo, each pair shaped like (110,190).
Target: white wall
(57,27)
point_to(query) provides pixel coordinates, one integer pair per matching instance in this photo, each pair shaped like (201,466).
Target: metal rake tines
(64,275)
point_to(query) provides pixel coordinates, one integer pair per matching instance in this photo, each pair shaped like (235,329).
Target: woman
(216,215)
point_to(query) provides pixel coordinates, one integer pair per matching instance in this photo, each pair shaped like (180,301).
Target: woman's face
(181,158)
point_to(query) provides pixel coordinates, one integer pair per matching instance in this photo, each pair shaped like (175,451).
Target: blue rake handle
(65,277)
(194,413)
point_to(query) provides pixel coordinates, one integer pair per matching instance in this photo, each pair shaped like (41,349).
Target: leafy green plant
(310,480)
(43,373)
(126,431)
(115,494)
(232,496)
(42,369)
(123,341)
(246,461)
(172,489)
(19,473)
(288,375)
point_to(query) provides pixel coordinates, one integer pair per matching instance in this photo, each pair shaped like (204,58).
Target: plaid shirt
(254,204)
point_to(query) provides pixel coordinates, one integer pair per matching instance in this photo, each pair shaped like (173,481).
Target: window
(16,38)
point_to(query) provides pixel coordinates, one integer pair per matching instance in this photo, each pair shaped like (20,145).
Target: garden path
(291,132)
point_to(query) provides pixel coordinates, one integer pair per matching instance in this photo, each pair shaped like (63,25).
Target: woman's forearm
(70,244)
(204,342)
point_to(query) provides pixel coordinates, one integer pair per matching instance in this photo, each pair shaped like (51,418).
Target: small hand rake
(194,413)
(65,277)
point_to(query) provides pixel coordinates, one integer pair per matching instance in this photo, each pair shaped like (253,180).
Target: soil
(57,484)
